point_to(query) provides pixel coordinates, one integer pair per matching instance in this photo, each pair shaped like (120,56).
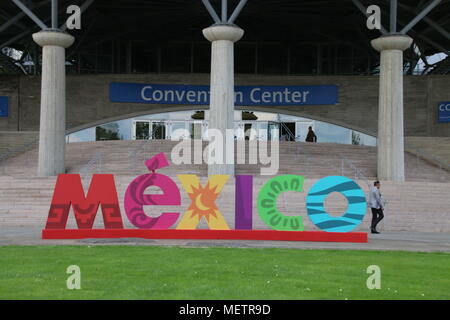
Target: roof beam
(211,11)
(419,17)
(393,16)
(237,11)
(429,21)
(30,14)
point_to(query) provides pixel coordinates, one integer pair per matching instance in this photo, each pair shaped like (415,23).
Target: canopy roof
(283,23)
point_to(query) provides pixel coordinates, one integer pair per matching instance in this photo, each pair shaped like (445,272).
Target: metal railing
(135,155)
(292,137)
(357,173)
(94,165)
(308,157)
(419,154)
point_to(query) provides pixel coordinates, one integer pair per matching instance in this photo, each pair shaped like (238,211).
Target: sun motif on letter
(203,199)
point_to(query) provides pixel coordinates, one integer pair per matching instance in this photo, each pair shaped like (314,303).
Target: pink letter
(135,198)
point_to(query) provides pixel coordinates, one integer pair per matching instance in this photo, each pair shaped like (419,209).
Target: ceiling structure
(281,36)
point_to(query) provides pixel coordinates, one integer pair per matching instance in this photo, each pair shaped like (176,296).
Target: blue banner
(444,111)
(244,95)
(4,108)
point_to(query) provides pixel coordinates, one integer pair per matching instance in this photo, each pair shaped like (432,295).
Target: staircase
(435,150)
(312,160)
(10,140)
(412,206)
(420,205)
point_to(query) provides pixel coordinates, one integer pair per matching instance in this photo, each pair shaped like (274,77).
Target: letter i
(243,219)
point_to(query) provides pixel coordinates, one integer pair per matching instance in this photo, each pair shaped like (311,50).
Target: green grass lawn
(145,272)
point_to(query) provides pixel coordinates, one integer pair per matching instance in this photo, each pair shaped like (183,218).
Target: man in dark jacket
(311,137)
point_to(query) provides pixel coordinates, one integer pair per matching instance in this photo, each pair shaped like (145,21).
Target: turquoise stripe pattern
(356,208)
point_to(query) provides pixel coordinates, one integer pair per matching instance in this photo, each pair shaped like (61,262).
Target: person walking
(311,137)
(376,205)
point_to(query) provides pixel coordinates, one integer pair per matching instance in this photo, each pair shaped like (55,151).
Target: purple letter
(243,219)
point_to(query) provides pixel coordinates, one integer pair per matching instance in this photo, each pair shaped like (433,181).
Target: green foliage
(356,138)
(105,134)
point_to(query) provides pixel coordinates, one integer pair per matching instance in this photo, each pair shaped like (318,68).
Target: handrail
(134,155)
(94,164)
(426,156)
(358,173)
(290,134)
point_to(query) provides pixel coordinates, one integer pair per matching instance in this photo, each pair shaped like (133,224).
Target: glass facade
(249,125)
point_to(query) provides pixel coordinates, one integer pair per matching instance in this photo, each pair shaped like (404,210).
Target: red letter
(69,191)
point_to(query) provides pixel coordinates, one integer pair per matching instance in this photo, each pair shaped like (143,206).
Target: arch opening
(248,125)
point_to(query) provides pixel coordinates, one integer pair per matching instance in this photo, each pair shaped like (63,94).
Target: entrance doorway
(146,130)
(287,131)
(250,130)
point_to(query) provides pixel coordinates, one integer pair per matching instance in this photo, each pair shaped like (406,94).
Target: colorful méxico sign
(4,107)
(444,111)
(244,95)
(69,193)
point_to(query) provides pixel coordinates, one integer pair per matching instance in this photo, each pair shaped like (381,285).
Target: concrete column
(221,114)
(53,102)
(391,162)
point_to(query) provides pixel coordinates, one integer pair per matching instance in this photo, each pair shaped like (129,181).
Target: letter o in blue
(356,204)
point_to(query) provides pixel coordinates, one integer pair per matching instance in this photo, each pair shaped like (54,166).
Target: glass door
(158,130)
(263,129)
(239,130)
(274,131)
(250,130)
(141,130)
(196,128)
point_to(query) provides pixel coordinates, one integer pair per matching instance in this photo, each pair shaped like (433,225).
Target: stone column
(221,115)
(52,128)
(391,162)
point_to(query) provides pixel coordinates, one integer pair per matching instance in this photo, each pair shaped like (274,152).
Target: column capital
(223,32)
(53,38)
(392,42)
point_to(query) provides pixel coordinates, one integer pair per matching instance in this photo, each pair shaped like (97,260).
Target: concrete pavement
(403,241)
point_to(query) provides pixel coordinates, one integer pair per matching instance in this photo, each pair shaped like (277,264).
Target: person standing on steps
(311,137)
(376,205)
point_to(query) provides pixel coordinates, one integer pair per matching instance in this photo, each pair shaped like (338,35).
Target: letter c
(444,107)
(252,95)
(267,203)
(143,96)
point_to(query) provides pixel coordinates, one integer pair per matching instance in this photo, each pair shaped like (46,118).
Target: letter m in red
(69,192)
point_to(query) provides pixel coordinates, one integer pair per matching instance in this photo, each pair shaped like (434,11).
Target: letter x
(203,202)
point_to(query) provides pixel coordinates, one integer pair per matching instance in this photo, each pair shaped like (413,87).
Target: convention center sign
(244,95)
(444,111)
(4,107)
(69,193)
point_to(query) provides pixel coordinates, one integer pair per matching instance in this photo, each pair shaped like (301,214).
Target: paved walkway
(405,241)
